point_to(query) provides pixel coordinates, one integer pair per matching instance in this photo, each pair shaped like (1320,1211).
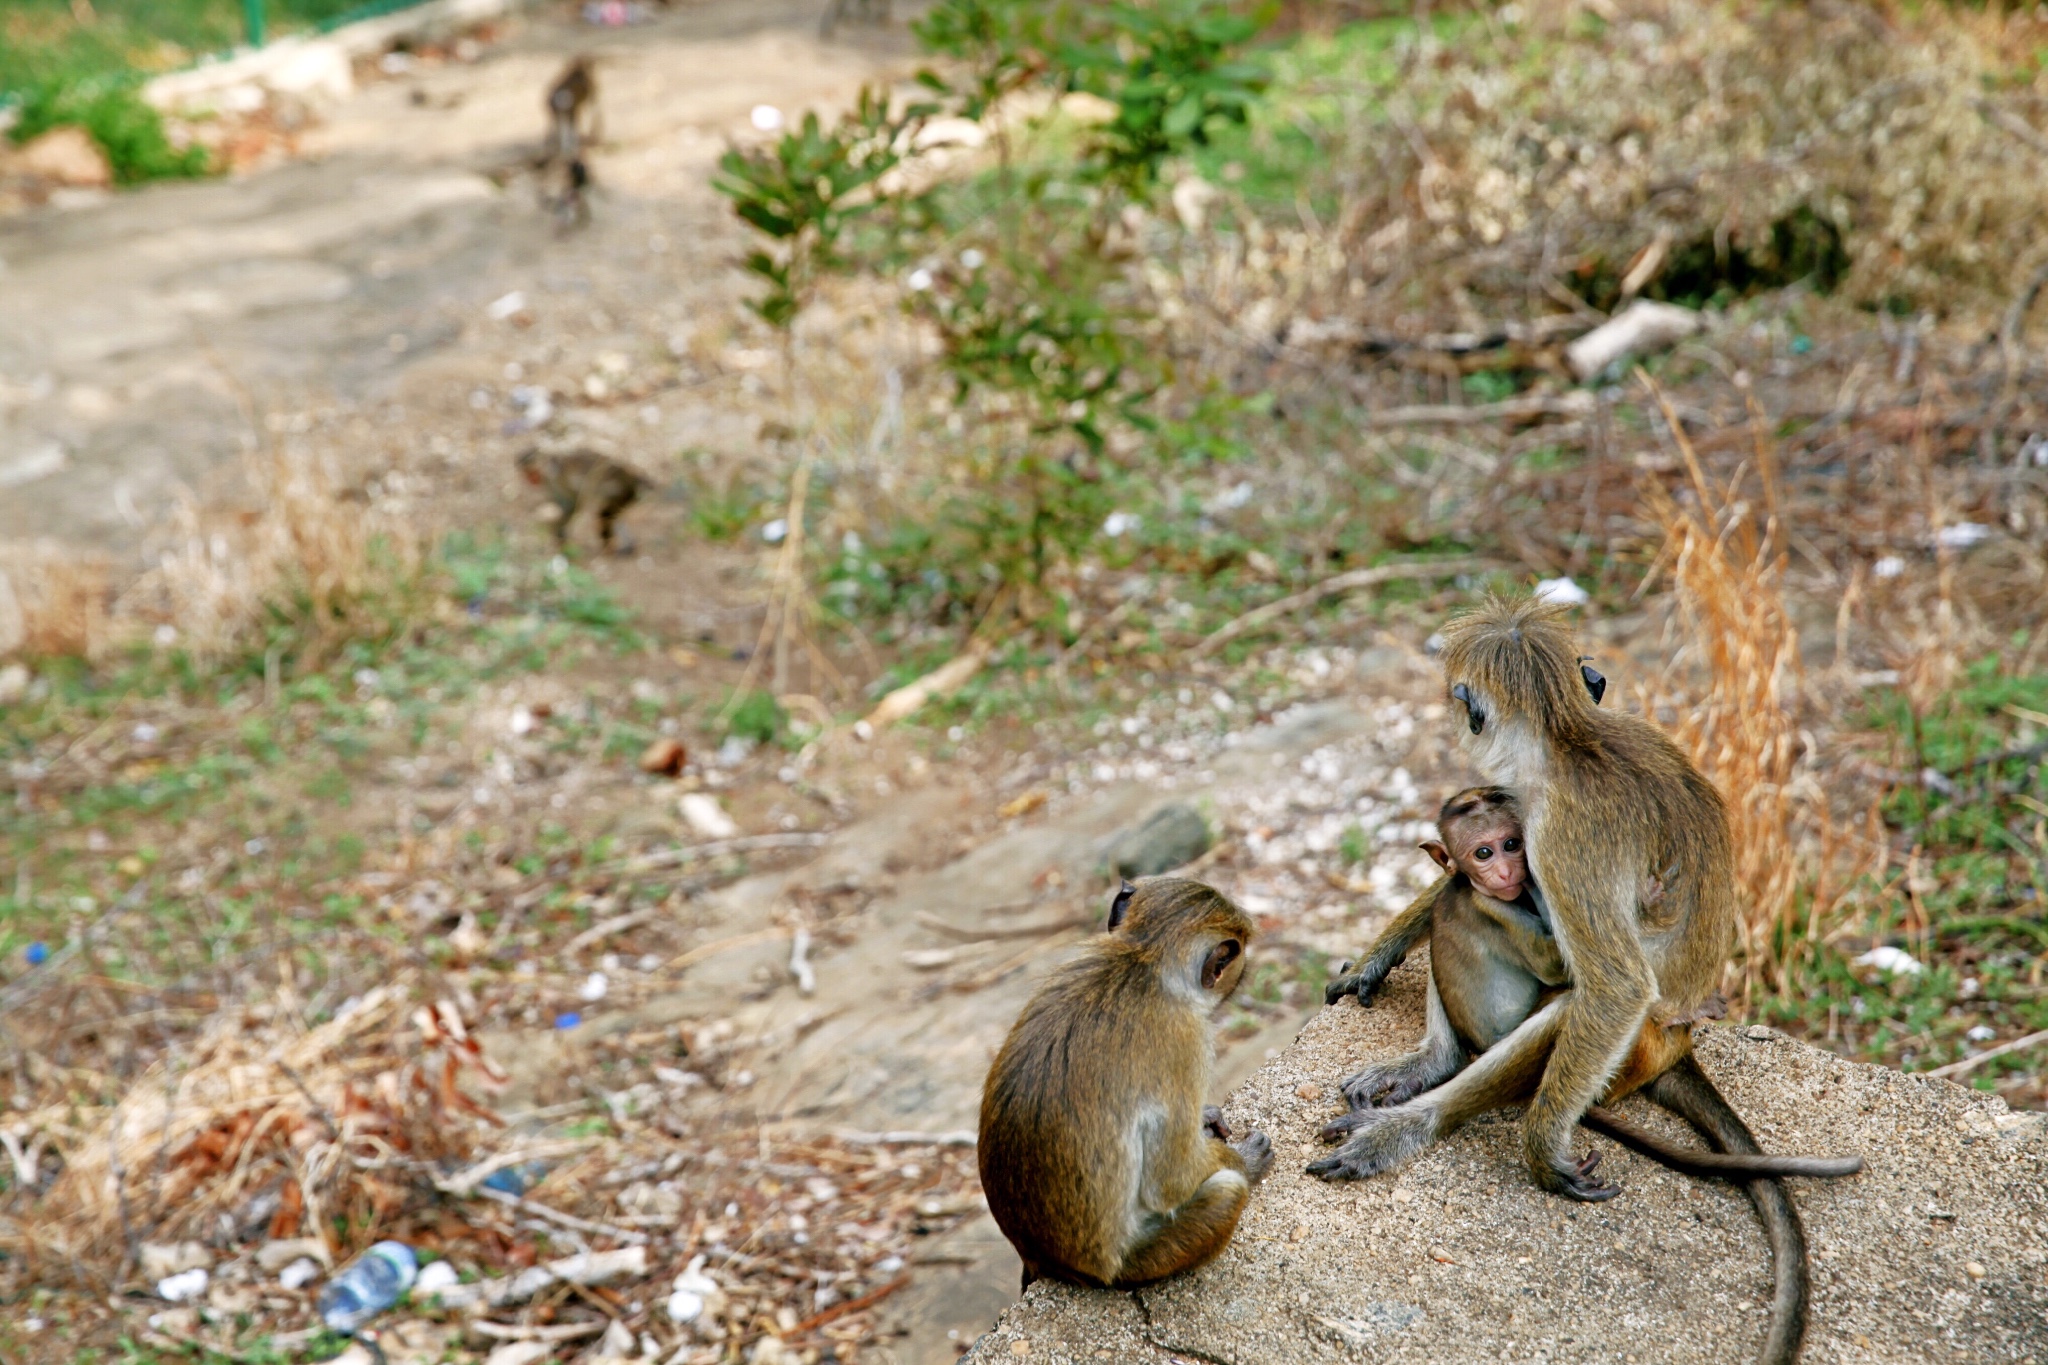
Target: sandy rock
(67,156)
(1938,1251)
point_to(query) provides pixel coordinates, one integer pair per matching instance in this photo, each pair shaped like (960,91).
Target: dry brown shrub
(52,602)
(1739,722)
(336,1122)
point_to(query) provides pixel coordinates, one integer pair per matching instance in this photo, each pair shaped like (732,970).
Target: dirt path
(357,278)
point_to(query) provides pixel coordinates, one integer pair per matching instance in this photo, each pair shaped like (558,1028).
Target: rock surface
(1937,1252)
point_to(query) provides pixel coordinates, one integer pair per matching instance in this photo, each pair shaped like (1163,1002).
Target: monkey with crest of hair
(1100,1162)
(1604,796)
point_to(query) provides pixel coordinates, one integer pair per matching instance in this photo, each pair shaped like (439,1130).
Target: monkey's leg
(1388,951)
(608,515)
(566,503)
(1438,1059)
(1504,1074)
(1596,1035)
(1201,1226)
(1687,1091)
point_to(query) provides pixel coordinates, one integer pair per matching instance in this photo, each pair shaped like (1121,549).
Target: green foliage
(723,512)
(804,190)
(1003,44)
(758,717)
(114,114)
(1169,68)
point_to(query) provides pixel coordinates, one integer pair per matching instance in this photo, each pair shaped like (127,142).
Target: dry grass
(1728,578)
(305,556)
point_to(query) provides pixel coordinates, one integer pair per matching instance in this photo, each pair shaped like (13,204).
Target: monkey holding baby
(1099,1160)
(1604,796)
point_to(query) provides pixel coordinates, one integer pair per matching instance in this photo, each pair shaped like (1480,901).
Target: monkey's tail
(1687,1091)
(1713,1165)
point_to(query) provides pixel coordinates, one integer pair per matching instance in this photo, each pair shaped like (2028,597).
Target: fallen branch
(840,1310)
(2013,124)
(560,1219)
(689,853)
(942,681)
(1016,931)
(723,945)
(1334,587)
(605,928)
(1577,403)
(1969,1064)
(466,1182)
(1365,342)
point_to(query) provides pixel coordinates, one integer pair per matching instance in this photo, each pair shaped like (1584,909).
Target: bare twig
(1969,1064)
(840,1310)
(556,1216)
(853,1137)
(516,1331)
(1018,931)
(2013,124)
(1333,587)
(1577,403)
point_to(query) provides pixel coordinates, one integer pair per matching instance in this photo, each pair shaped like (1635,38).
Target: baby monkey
(1494,961)
(1099,1161)
(573,121)
(577,478)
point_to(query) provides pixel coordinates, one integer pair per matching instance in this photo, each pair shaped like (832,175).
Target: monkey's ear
(1474,717)
(1595,684)
(1121,904)
(1437,852)
(1218,962)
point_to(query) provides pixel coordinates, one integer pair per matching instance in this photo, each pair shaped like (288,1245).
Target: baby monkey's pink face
(1490,854)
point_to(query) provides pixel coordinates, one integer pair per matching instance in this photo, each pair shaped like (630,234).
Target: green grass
(1974,906)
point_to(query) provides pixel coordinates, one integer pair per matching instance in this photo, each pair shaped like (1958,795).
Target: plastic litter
(377,1280)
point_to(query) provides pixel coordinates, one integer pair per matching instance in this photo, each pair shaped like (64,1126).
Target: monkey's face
(1495,861)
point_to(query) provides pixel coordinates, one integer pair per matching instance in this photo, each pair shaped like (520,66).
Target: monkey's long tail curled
(1687,1091)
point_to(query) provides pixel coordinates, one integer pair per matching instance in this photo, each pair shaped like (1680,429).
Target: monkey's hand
(1213,1122)
(1381,1139)
(1256,1151)
(1386,1084)
(1575,1179)
(1362,980)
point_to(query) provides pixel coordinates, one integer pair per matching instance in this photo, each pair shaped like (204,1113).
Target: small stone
(1973,1270)
(303,1272)
(1300,1233)
(1172,836)
(1309,1090)
(160,1260)
(68,156)
(704,815)
(1759,1033)
(1404,1196)
(520,1353)
(1020,1347)
(664,757)
(1439,1254)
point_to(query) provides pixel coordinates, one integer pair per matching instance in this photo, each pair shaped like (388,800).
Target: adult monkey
(1603,796)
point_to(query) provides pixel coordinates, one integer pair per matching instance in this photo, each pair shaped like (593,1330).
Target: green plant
(757,716)
(804,191)
(1173,72)
(128,130)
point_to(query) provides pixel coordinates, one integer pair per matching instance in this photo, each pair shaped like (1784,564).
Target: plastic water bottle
(375,1282)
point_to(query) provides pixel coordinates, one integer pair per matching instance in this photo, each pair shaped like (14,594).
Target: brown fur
(1605,795)
(572,121)
(578,478)
(1097,1158)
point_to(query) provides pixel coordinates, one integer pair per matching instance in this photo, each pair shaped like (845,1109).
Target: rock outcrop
(1937,1252)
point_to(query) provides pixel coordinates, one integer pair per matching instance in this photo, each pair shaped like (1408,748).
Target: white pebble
(186,1284)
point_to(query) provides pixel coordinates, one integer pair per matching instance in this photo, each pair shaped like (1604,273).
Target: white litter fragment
(1962,535)
(1120,524)
(506,305)
(1982,1033)
(800,961)
(1562,590)
(186,1284)
(593,988)
(299,1273)
(1897,961)
(1891,566)
(703,814)
(765,117)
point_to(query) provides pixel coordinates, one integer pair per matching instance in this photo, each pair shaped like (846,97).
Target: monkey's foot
(1381,1140)
(1387,1084)
(1214,1123)
(1257,1151)
(1575,1180)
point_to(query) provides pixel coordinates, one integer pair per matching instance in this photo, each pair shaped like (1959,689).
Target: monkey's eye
(1481,854)
(1511,845)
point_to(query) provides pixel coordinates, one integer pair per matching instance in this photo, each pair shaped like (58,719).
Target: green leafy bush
(114,114)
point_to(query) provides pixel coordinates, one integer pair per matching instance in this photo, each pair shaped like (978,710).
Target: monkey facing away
(1099,1160)
(577,478)
(1604,796)
(573,120)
